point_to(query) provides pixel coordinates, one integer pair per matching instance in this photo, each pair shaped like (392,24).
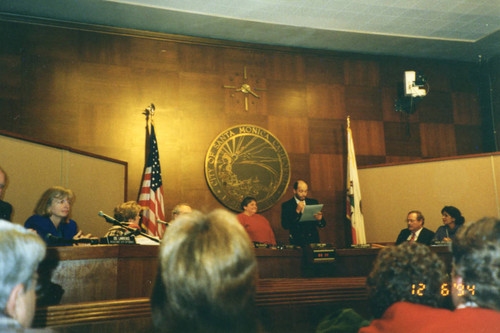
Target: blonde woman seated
(51,220)
(257,226)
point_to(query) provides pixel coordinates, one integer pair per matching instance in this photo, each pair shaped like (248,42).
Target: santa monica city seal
(247,161)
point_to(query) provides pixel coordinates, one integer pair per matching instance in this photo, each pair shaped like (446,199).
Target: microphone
(108,218)
(55,240)
(162,222)
(132,228)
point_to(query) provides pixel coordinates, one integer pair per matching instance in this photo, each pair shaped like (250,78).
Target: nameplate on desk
(361,246)
(323,253)
(121,239)
(441,243)
(288,247)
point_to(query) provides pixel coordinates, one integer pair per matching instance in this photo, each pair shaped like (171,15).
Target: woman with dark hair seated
(257,226)
(452,221)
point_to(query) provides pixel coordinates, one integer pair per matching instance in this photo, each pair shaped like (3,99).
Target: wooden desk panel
(274,263)
(359,262)
(107,286)
(100,272)
(109,272)
(277,296)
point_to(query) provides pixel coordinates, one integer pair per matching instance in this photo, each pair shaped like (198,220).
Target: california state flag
(353,209)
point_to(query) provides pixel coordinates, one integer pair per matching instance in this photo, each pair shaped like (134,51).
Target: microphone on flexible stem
(162,222)
(108,218)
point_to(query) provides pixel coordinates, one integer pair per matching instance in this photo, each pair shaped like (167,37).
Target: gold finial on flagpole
(150,110)
(348,121)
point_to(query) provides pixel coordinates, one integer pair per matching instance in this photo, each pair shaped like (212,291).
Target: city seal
(247,161)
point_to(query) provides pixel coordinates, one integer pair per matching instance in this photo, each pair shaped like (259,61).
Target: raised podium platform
(106,288)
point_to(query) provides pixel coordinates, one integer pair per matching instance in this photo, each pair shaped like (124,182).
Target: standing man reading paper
(303,232)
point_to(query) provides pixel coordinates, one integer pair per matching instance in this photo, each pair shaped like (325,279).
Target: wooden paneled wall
(87,88)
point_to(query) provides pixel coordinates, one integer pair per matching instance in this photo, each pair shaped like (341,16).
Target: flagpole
(151,192)
(149,113)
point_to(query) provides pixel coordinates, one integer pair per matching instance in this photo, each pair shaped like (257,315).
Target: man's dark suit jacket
(5,210)
(425,236)
(300,233)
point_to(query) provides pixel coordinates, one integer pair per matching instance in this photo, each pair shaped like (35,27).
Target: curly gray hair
(476,258)
(397,268)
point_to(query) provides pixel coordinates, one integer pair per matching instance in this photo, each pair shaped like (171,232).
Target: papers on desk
(309,211)
(141,240)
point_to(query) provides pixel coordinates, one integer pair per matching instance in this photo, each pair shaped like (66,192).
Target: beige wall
(98,184)
(389,192)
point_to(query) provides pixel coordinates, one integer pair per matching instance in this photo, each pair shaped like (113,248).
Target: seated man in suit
(415,231)
(301,233)
(5,207)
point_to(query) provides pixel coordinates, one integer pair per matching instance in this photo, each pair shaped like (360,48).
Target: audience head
(415,220)
(454,213)
(397,268)
(181,209)
(55,200)
(3,181)
(21,252)
(476,262)
(128,212)
(207,276)
(300,189)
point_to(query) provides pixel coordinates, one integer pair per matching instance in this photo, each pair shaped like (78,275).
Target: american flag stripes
(151,195)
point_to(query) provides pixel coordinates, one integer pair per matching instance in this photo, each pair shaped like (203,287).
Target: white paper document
(309,211)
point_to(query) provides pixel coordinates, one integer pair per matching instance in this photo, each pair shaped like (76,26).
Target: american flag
(151,196)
